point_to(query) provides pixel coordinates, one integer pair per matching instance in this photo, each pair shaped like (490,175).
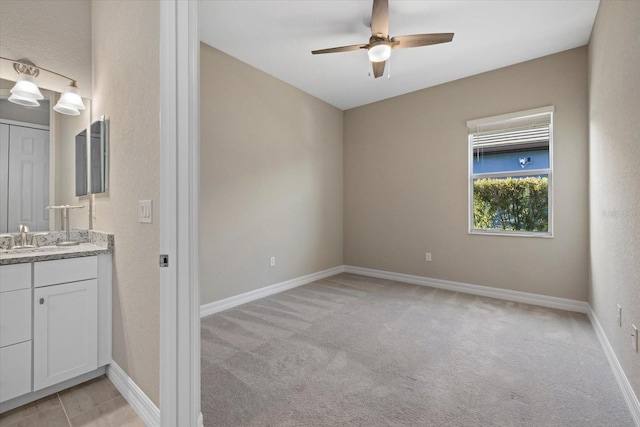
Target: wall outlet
(619,313)
(272,261)
(634,338)
(427,256)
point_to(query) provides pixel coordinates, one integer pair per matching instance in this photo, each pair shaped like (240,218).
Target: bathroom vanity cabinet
(55,324)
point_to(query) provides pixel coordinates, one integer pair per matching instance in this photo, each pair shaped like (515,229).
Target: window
(510,173)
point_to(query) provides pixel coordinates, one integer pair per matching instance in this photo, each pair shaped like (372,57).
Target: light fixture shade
(25,102)
(71,98)
(26,87)
(66,109)
(380,52)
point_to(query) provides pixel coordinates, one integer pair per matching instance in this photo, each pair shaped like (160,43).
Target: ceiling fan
(380,45)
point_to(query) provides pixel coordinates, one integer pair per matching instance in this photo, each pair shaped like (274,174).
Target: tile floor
(96,403)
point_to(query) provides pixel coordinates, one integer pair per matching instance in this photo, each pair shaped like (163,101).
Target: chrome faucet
(24,233)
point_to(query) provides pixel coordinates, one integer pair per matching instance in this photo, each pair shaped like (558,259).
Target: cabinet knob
(41,301)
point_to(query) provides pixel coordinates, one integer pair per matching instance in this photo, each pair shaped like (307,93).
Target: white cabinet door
(15,370)
(65,332)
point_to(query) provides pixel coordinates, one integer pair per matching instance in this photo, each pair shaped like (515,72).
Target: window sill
(547,235)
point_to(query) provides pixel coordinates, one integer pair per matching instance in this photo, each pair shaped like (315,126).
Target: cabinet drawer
(15,317)
(14,277)
(15,370)
(47,273)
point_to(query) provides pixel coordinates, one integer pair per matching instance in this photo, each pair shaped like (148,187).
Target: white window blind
(521,128)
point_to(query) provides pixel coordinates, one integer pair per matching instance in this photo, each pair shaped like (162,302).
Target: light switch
(145,211)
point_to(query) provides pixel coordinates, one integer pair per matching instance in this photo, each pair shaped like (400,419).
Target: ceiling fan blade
(380,18)
(340,49)
(378,68)
(416,40)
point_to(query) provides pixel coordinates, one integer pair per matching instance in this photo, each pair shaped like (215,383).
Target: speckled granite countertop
(91,243)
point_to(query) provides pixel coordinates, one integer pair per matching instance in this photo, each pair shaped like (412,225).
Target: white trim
(168,214)
(510,233)
(485,291)
(474,124)
(618,372)
(141,404)
(227,303)
(179,146)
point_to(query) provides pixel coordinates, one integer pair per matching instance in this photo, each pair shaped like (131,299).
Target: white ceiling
(277,37)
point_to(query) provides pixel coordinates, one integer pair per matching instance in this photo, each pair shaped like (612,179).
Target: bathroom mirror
(51,174)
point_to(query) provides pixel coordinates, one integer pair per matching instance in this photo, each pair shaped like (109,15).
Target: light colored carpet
(352,350)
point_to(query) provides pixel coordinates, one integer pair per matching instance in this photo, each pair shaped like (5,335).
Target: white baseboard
(485,291)
(141,404)
(629,395)
(227,303)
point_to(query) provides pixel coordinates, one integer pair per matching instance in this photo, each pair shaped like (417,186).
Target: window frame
(473,128)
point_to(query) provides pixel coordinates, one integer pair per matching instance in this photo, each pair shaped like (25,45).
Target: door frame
(179,194)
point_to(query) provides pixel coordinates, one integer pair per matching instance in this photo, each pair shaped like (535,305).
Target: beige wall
(406,181)
(52,34)
(126,90)
(614,98)
(271,179)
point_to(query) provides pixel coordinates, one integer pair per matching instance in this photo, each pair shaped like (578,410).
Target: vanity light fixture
(25,102)
(26,91)
(70,101)
(26,86)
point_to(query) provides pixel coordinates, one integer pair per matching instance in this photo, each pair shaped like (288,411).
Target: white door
(65,332)
(28,178)
(4,176)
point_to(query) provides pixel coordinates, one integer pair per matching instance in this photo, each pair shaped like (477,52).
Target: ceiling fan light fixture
(379,52)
